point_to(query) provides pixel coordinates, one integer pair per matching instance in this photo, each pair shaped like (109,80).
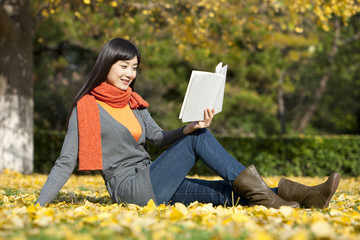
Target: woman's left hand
(208,117)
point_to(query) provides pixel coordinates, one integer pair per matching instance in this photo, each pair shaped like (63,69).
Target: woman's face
(122,73)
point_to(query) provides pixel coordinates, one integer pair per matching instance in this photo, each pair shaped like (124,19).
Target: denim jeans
(168,172)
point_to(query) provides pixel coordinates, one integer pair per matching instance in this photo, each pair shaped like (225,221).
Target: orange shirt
(126,117)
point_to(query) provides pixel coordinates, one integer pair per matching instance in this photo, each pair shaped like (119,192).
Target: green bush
(300,156)
(47,147)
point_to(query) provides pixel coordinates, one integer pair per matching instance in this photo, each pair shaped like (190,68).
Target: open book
(205,90)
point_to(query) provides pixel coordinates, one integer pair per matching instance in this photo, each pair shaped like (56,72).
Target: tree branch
(351,39)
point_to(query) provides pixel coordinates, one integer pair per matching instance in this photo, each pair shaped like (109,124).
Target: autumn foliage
(292,63)
(83,210)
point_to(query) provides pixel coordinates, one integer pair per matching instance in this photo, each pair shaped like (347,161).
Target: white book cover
(205,90)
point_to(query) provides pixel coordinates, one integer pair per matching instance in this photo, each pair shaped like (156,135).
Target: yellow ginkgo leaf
(175,215)
(150,207)
(323,230)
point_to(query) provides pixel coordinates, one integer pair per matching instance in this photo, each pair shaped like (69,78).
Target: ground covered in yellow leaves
(83,210)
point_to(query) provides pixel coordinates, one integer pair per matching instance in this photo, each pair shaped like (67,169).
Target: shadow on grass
(81,198)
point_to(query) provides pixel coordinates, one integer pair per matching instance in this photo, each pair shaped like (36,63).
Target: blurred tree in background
(293,64)
(16,86)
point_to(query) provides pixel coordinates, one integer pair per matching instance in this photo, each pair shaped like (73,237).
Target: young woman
(109,124)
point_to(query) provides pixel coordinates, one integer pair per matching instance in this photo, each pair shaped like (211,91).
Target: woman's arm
(64,165)
(161,138)
(157,135)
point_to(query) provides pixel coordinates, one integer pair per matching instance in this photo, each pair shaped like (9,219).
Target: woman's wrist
(188,129)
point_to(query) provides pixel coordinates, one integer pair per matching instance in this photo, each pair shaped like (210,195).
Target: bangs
(125,55)
(122,49)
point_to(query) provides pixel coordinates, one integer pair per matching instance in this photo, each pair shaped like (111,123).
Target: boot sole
(336,180)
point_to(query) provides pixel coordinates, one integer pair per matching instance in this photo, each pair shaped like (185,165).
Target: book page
(219,100)
(205,90)
(202,93)
(187,94)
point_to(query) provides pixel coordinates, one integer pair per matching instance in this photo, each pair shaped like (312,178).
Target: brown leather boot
(249,184)
(316,196)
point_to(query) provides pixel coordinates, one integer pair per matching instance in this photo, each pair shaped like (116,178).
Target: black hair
(113,51)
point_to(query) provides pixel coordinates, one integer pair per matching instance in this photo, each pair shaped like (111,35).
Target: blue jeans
(168,172)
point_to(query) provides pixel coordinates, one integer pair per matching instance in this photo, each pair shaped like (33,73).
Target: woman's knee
(201,131)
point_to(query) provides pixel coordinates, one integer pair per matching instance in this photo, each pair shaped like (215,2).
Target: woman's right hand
(208,117)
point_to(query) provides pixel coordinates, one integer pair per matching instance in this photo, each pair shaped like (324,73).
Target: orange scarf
(90,155)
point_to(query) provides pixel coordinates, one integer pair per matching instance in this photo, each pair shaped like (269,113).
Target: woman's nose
(128,72)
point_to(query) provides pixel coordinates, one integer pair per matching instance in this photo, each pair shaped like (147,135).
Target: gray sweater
(126,163)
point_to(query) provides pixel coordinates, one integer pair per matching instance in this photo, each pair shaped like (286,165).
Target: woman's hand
(208,117)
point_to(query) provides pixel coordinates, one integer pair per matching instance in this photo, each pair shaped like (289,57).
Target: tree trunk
(319,93)
(281,102)
(16,86)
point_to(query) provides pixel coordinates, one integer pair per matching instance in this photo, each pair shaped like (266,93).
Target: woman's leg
(204,191)
(169,170)
(251,185)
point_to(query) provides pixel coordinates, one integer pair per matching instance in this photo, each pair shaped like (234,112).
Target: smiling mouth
(125,81)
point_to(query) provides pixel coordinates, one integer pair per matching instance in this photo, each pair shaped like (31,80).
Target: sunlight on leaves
(83,209)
